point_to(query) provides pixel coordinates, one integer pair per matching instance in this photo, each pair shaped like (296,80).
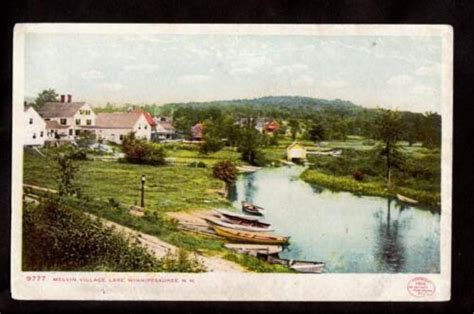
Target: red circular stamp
(421,287)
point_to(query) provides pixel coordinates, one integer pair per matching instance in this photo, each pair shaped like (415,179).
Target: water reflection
(250,188)
(350,233)
(389,247)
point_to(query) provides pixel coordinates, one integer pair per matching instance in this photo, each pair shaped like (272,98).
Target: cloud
(423,90)
(400,80)
(92,75)
(111,87)
(302,81)
(428,70)
(141,67)
(241,71)
(291,69)
(334,84)
(193,78)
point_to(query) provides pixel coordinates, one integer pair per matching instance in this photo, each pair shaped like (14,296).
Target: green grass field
(168,188)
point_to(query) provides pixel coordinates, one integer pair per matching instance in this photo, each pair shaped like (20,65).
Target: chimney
(63,97)
(69,98)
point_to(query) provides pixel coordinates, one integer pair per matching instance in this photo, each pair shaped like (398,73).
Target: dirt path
(159,247)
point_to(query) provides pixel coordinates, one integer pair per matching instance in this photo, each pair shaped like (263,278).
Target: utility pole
(143,191)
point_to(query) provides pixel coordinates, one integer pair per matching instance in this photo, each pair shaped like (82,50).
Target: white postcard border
(229,286)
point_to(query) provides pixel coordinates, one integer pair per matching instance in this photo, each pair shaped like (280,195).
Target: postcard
(232,162)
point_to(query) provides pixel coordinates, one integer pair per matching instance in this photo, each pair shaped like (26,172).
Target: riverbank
(372,188)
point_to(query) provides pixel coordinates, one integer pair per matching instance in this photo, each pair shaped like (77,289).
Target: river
(350,233)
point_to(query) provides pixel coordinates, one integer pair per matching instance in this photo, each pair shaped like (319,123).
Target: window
(81,111)
(78,132)
(31,120)
(89,121)
(88,112)
(70,131)
(34,135)
(121,137)
(63,121)
(145,127)
(41,134)
(139,126)
(78,121)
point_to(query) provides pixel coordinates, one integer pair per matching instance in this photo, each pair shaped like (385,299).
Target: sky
(397,72)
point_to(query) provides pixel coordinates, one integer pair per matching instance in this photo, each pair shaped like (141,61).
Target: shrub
(140,151)
(58,237)
(225,171)
(358,175)
(78,154)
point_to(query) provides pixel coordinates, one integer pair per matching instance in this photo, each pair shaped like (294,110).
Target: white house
(66,119)
(35,127)
(114,127)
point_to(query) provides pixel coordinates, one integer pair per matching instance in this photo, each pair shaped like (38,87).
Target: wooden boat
(252,223)
(297,265)
(248,169)
(250,237)
(252,209)
(406,199)
(227,213)
(307,267)
(227,224)
(255,249)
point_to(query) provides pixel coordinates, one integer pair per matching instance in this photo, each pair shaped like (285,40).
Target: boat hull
(216,222)
(236,215)
(406,199)
(250,237)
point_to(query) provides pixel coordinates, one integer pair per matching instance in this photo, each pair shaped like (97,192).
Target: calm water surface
(350,233)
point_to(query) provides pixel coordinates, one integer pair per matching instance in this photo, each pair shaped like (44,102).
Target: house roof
(60,109)
(117,120)
(166,125)
(53,124)
(197,129)
(295,145)
(147,115)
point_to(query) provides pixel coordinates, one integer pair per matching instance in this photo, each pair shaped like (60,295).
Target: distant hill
(278,101)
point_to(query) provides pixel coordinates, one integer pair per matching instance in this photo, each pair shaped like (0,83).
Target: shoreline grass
(371,188)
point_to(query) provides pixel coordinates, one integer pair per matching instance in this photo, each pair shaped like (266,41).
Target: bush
(358,175)
(225,171)
(58,237)
(140,151)
(78,154)
(65,240)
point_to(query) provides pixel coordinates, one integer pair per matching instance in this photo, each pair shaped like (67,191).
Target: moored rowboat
(296,265)
(227,224)
(254,249)
(252,209)
(250,237)
(406,199)
(253,223)
(227,213)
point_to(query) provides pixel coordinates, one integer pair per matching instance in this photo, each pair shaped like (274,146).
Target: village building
(35,128)
(113,127)
(296,152)
(65,119)
(271,126)
(197,131)
(263,125)
(164,129)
